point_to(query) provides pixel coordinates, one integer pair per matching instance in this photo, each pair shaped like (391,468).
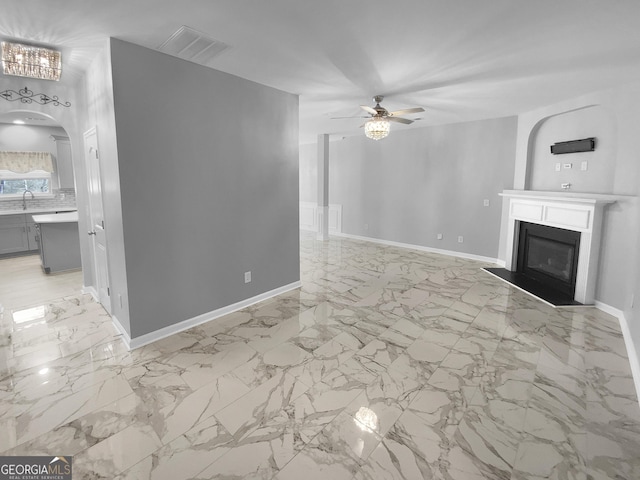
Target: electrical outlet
(366,226)
(439,236)
(558,167)
(247,277)
(460,239)
(567,166)
(486,202)
(584,166)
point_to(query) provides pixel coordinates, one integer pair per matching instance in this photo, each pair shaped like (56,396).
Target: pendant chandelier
(377,128)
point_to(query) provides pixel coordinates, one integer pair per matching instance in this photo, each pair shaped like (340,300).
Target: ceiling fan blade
(339,118)
(407,110)
(369,110)
(399,120)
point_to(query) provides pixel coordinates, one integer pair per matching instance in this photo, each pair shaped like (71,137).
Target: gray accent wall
(209,184)
(417,183)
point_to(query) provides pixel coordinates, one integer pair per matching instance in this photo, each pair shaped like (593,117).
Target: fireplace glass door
(549,255)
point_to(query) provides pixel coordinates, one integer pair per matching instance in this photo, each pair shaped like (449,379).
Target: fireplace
(549,256)
(552,240)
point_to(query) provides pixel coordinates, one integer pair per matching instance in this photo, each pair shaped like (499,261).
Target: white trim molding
(142,340)
(335,219)
(632,353)
(122,330)
(309,215)
(450,253)
(91,291)
(323,223)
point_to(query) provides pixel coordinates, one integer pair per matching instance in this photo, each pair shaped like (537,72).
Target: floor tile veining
(386,364)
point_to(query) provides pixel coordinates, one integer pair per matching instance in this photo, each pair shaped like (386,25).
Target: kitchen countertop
(32,211)
(57,218)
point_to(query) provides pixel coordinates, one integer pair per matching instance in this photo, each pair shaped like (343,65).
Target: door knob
(91,233)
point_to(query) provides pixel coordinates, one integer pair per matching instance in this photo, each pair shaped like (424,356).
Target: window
(22,171)
(14,184)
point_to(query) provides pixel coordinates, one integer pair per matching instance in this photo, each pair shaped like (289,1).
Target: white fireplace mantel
(581,212)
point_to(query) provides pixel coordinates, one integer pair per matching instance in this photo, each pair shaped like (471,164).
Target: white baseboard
(632,353)
(91,291)
(619,314)
(151,337)
(122,330)
(450,253)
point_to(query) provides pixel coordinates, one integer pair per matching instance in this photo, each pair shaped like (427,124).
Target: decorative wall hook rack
(24,95)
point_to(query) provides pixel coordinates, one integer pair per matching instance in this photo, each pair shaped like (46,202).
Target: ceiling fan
(378,127)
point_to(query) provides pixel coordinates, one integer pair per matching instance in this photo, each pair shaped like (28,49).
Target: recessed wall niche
(594,121)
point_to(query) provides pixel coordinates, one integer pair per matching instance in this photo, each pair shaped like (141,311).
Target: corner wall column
(323,187)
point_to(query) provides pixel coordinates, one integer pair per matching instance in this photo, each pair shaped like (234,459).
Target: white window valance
(24,162)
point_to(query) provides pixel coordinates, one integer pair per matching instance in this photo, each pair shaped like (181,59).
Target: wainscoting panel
(335,218)
(309,217)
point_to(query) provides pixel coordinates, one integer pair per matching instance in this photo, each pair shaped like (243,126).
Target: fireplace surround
(581,213)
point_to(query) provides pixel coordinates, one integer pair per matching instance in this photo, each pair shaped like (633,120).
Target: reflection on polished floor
(386,364)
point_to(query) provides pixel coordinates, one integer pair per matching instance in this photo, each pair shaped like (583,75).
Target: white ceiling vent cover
(189,44)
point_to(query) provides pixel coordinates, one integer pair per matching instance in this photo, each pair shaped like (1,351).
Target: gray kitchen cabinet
(18,234)
(13,234)
(59,241)
(32,234)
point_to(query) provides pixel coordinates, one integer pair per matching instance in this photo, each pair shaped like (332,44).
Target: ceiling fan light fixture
(377,128)
(29,61)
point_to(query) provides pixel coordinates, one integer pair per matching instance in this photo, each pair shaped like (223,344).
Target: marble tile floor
(386,364)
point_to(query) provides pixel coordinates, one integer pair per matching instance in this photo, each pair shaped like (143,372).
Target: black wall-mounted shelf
(574,146)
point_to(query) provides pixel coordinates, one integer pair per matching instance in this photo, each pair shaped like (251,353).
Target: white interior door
(97,231)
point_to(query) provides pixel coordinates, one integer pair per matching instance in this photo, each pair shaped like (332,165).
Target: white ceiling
(459,59)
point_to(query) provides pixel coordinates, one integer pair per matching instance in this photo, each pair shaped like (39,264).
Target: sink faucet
(24,199)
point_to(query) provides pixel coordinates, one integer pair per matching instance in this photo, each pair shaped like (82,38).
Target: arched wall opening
(585,171)
(30,131)
(71,119)
(52,129)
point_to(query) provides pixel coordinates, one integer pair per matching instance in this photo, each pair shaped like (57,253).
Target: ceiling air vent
(189,44)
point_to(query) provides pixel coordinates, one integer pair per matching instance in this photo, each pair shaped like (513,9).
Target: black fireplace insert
(549,255)
(546,263)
